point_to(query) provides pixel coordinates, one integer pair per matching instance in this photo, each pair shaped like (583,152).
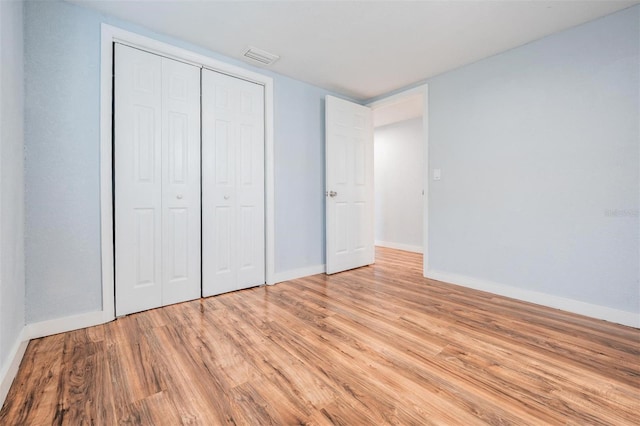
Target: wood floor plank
(41,368)
(376,345)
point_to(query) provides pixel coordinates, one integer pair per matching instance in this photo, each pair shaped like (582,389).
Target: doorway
(401,171)
(160,144)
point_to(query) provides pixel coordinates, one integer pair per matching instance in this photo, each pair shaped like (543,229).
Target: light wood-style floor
(378,345)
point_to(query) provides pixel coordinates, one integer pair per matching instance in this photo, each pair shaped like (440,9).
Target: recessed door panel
(222,254)
(246,155)
(145,74)
(223,153)
(178,147)
(144,143)
(360,237)
(221,96)
(218,265)
(246,102)
(359,162)
(178,84)
(341,231)
(247,252)
(341,157)
(145,248)
(178,263)
(232,183)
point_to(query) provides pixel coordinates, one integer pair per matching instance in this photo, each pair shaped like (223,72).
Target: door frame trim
(111,34)
(398,97)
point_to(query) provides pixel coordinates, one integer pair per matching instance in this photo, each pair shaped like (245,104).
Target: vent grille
(260,56)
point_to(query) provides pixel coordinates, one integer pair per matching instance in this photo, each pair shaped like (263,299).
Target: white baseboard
(61,325)
(10,370)
(595,311)
(279,277)
(399,246)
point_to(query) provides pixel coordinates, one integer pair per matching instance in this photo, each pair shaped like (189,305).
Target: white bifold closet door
(233,230)
(156,180)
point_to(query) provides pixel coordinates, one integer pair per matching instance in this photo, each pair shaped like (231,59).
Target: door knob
(179,197)
(332,193)
(226,197)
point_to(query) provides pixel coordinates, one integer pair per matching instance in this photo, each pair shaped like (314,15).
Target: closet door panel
(138,180)
(250,187)
(181,181)
(218,184)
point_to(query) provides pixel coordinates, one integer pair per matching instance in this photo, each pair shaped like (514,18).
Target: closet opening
(158,166)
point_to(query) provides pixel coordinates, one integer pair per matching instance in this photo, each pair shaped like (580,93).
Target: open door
(349,186)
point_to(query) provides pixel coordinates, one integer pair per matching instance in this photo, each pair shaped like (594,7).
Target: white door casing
(157,180)
(349,186)
(422,91)
(233,205)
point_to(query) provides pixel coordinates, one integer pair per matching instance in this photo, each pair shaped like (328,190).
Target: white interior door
(233,229)
(349,186)
(157,180)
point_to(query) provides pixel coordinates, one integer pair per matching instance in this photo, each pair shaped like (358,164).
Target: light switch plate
(437,174)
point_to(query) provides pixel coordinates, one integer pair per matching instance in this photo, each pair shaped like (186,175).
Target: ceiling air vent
(260,56)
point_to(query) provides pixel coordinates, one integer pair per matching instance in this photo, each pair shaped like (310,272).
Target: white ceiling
(362,49)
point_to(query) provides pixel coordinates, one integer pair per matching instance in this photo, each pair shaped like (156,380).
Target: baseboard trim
(399,246)
(10,370)
(279,277)
(61,325)
(575,306)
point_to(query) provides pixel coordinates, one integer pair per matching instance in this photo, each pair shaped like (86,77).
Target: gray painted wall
(62,48)
(398,174)
(12,282)
(538,148)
